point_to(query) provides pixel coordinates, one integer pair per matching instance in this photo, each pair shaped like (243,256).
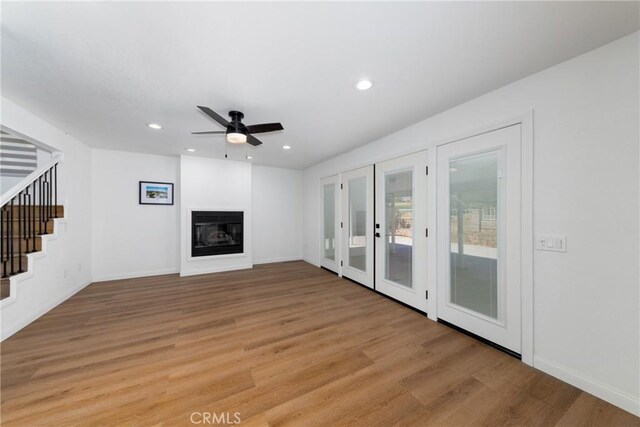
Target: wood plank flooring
(282,344)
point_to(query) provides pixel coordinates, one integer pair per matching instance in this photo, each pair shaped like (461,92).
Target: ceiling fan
(237,132)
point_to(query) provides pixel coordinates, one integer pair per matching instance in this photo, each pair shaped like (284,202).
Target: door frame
(505,328)
(333,265)
(525,120)
(414,296)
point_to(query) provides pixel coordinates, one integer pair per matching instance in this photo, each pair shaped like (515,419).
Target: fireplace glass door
(217,233)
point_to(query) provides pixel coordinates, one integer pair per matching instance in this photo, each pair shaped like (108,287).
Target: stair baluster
(3,250)
(11,263)
(33,217)
(55,186)
(20,235)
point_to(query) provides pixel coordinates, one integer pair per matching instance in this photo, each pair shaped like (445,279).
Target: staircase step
(31,245)
(46,228)
(4,288)
(29,215)
(55,210)
(5,265)
(16,220)
(22,245)
(5,256)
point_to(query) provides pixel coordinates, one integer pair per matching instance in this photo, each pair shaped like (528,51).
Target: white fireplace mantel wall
(212,184)
(123,229)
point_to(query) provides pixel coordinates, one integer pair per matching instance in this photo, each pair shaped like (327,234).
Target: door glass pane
(329,204)
(474,223)
(358,223)
(399,227)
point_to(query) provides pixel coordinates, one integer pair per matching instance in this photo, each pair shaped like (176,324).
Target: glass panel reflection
(474,223)
(357,223)
(329,204)
(399,227)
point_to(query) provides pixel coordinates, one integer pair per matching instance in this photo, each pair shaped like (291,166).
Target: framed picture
(156,193)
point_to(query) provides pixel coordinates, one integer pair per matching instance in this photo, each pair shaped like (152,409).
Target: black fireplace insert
(216,233)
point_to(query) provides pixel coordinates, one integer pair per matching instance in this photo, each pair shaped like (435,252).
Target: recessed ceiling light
(286,147)
(249,157)
(191,150)
(364,84)
(154,126)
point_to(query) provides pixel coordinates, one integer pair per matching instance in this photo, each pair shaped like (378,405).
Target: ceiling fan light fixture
(236,138)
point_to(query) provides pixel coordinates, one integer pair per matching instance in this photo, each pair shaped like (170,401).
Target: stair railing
(24,215)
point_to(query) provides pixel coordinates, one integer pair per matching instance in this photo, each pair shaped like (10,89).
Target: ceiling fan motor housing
(236,125)
(236,116)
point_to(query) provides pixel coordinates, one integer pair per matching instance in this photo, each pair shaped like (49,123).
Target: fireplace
(216,233)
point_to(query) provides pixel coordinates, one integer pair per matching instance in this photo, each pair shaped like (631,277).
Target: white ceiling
(101,71)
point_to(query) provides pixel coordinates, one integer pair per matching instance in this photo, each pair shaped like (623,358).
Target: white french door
(479,239)
(357,225)
(330,224)
(401,229)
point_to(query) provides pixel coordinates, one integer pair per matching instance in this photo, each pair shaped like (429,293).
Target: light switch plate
(551,242)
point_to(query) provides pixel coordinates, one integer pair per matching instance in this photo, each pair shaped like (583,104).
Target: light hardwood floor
(283,343)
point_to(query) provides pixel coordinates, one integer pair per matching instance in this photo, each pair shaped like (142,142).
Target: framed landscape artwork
(156,193)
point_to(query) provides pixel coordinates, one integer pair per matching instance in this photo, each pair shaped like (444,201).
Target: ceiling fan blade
(215,116)
(253,140)
(209,132)
(264,127)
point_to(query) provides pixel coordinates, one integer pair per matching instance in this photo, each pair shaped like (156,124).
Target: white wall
(129,239)
(277,214)
(8,182)
(216,185)
(586,182)
(132,240)
(64,267)
(44,156)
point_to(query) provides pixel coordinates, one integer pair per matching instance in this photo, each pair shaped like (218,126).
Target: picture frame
(155,193)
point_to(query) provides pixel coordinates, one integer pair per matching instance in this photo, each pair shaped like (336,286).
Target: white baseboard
(272,260)
(6,333)
(135,274)
(615,397)
(214,270)
(311,262)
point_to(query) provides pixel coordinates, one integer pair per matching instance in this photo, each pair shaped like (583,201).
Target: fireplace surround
(217,233)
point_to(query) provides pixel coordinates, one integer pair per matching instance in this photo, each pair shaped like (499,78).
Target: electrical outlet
(551,242)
